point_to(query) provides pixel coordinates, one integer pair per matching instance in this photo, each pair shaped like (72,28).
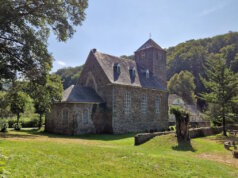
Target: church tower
(152,57)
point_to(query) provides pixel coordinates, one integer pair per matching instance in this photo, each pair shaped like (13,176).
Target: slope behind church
(115,95)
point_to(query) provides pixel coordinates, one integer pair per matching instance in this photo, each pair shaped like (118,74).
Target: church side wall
(70,119)
(135,121)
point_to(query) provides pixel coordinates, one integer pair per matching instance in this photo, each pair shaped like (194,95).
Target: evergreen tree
(221,88)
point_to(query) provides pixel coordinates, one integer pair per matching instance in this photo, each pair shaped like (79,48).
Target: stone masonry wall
(136,121)
(55,122)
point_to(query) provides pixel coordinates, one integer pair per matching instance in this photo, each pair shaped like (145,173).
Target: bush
(3,126)
(30,123)
(17,126)
(27,122)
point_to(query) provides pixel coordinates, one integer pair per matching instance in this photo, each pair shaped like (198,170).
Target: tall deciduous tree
(18,101)
(222,88)
(4,109)
(45,95)
(183,85)
(24,29)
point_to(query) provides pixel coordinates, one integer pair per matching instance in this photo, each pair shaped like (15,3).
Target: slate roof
(125,77)
(149,44)
(80,94)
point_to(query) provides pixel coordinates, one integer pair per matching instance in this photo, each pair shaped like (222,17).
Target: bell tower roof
(150,44)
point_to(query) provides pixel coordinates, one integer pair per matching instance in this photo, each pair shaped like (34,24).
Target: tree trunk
(223,120)
(182,129)
(18,118)
(224,125)
(40,121)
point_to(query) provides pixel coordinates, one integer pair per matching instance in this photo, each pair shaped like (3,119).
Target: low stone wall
(144,137)
(204,131)
(194,133)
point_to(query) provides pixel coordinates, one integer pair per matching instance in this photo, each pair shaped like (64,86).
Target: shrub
(17,126)
(3,126)
(27,122)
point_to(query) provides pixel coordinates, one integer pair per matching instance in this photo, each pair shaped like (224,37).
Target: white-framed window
(127,103)
(157,105)
(65,116)
(143,104)
(85,116)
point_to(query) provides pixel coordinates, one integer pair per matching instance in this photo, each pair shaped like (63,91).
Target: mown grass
(36,154)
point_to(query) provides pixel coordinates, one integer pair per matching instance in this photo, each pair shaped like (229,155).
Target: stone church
(115,95)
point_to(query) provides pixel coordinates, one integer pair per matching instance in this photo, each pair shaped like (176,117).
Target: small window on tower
(147,74)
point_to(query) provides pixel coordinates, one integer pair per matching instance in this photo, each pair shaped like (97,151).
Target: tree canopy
(45,95)
(183,85)
(25,26)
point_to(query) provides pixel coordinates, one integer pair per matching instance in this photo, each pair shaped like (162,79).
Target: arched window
(85,116)
(65,116)
(127,103)
(157,105)
(143,104)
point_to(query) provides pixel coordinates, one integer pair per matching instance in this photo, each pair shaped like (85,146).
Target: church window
(157,105)
(134,72)
(127,103)
(147,74)
(143,104)
(65,116)
(85,116)
(118,69)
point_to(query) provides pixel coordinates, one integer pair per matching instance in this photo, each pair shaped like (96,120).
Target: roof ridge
(115,56)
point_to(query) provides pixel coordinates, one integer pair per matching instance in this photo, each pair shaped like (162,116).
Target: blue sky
(119,27)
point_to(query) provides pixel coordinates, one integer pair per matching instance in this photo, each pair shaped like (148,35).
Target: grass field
(35,154)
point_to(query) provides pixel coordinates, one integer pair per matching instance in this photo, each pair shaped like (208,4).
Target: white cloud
(206,12)
(61,63)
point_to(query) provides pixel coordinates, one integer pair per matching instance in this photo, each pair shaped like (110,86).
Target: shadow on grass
(34,132)
(184,147)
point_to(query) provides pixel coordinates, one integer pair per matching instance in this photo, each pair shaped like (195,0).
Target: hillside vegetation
(193,54)
(37,154)
(69,75)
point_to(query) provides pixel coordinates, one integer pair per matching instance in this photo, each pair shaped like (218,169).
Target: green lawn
(36,154)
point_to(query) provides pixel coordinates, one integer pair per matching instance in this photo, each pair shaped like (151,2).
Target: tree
(18,101)
(183,85)
(4,109)
(222,88)
(45,95)
(182,124)
(25,26)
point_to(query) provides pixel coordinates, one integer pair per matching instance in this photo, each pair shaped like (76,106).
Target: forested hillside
(69,75)
(193,54)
